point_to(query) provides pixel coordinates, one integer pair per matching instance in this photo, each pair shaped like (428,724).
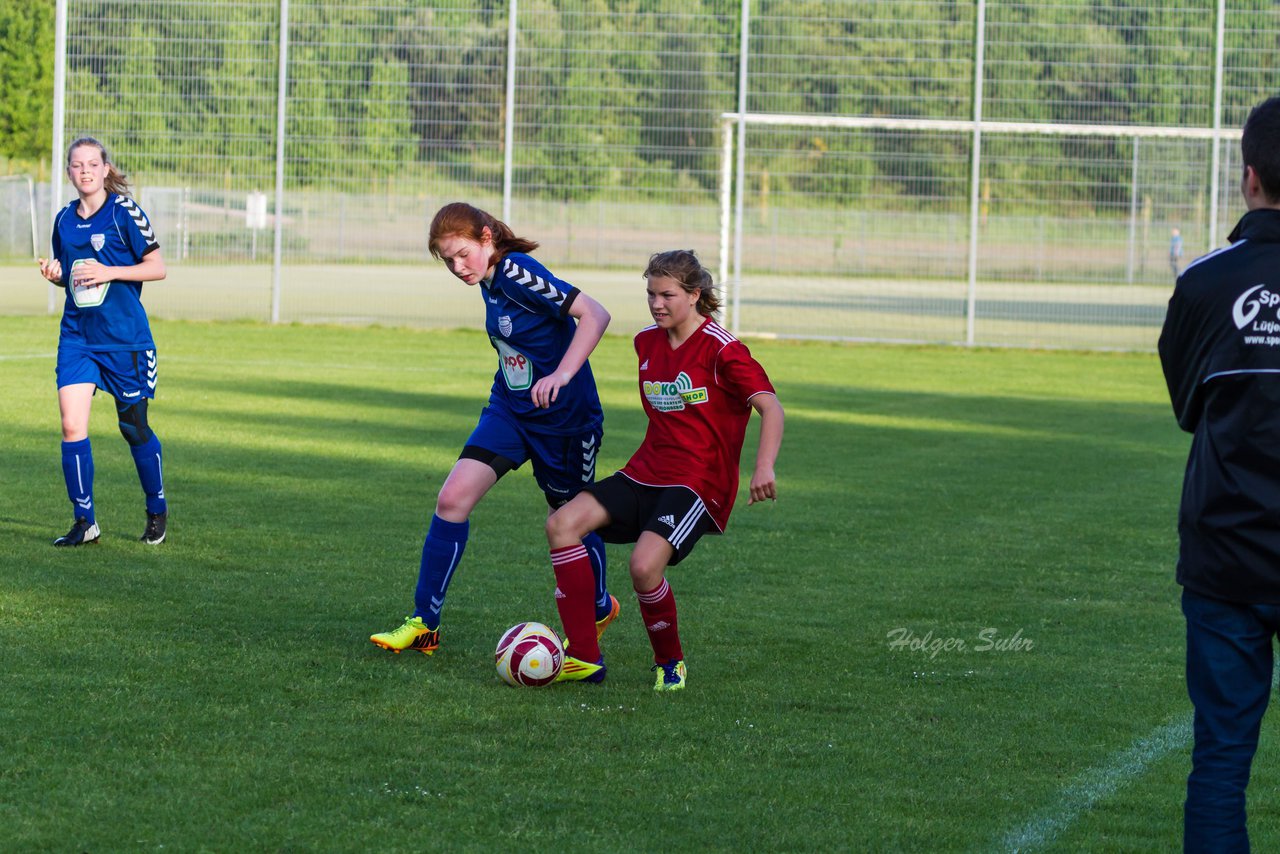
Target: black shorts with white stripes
(674,513)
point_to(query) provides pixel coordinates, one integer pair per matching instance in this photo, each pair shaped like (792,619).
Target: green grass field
(219,693)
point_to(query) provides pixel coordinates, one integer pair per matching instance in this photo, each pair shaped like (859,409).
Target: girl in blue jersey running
(543,405)
(103,250)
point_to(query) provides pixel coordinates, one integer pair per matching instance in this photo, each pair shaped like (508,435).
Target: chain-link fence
(985,172)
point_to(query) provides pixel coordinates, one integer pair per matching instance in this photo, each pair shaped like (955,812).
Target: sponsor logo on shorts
(668,520)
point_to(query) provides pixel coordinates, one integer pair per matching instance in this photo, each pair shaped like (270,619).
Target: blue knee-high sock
(441,552)
(77,471)
(146,458)
(595,551)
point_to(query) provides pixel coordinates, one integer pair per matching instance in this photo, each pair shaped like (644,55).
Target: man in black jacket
(1220,349)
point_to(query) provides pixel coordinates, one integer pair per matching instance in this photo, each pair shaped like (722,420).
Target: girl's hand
(546,390)
(51,269)
(92,272)
(764,486)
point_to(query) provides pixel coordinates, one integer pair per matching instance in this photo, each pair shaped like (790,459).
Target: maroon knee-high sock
(576,600)
(658,608)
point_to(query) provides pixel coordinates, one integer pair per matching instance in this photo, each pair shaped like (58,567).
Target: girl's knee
(645,577)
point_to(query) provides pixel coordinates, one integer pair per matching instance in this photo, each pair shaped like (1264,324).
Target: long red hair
(468,221)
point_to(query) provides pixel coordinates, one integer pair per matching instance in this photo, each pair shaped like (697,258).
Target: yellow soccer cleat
(670,676)
(576,670)
(414,634)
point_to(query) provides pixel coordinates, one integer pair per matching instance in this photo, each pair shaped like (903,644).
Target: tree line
(613,96)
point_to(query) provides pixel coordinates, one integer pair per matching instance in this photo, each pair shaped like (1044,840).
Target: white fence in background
(987,172)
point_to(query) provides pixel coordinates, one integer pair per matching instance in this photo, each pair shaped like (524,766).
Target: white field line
(1098,784)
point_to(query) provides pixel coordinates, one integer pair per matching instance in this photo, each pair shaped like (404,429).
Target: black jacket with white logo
(1220,349)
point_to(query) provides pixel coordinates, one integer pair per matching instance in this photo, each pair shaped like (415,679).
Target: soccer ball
(529,654)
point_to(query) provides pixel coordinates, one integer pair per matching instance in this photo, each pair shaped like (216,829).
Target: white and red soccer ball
(529,655)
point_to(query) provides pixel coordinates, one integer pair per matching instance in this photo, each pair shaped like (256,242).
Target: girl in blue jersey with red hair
(104,248)
(543,406)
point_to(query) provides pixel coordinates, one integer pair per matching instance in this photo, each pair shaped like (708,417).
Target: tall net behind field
(293,153)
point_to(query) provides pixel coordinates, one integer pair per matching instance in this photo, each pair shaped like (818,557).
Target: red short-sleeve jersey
(696,397)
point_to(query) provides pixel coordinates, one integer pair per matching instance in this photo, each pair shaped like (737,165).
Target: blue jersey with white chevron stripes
(527,318)
(108,317)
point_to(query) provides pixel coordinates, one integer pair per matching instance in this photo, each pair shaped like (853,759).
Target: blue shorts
(562,465)
(126,376)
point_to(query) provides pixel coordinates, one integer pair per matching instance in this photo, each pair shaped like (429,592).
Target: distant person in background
(543,406)
(1175,251)
(698,385)
(104,248)
(1221,359)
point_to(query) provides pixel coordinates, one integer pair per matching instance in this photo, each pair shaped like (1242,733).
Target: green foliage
(622,97)
(385,126)
(219,692)
(26,78)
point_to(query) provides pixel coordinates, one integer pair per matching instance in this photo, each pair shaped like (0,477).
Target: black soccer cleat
(82,533)
(154,534)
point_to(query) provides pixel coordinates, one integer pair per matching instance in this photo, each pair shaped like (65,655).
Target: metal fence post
(733,293)
(59,124)
(508,133)
(1219,36)
(282,91)
(975,175)
(1133,212)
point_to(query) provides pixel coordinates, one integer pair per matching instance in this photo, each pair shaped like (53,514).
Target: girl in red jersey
(698,385)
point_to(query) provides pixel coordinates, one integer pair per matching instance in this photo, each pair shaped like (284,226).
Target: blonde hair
(683,266)
(116,181)
(464,220)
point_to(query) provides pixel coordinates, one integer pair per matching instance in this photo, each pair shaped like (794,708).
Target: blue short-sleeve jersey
(107,317)
(527,318)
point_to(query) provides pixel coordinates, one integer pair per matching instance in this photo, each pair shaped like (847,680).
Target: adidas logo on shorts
(668,520)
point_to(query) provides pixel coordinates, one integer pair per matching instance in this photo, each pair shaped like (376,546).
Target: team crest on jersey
(504,326)
(673,396)
(97,241)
